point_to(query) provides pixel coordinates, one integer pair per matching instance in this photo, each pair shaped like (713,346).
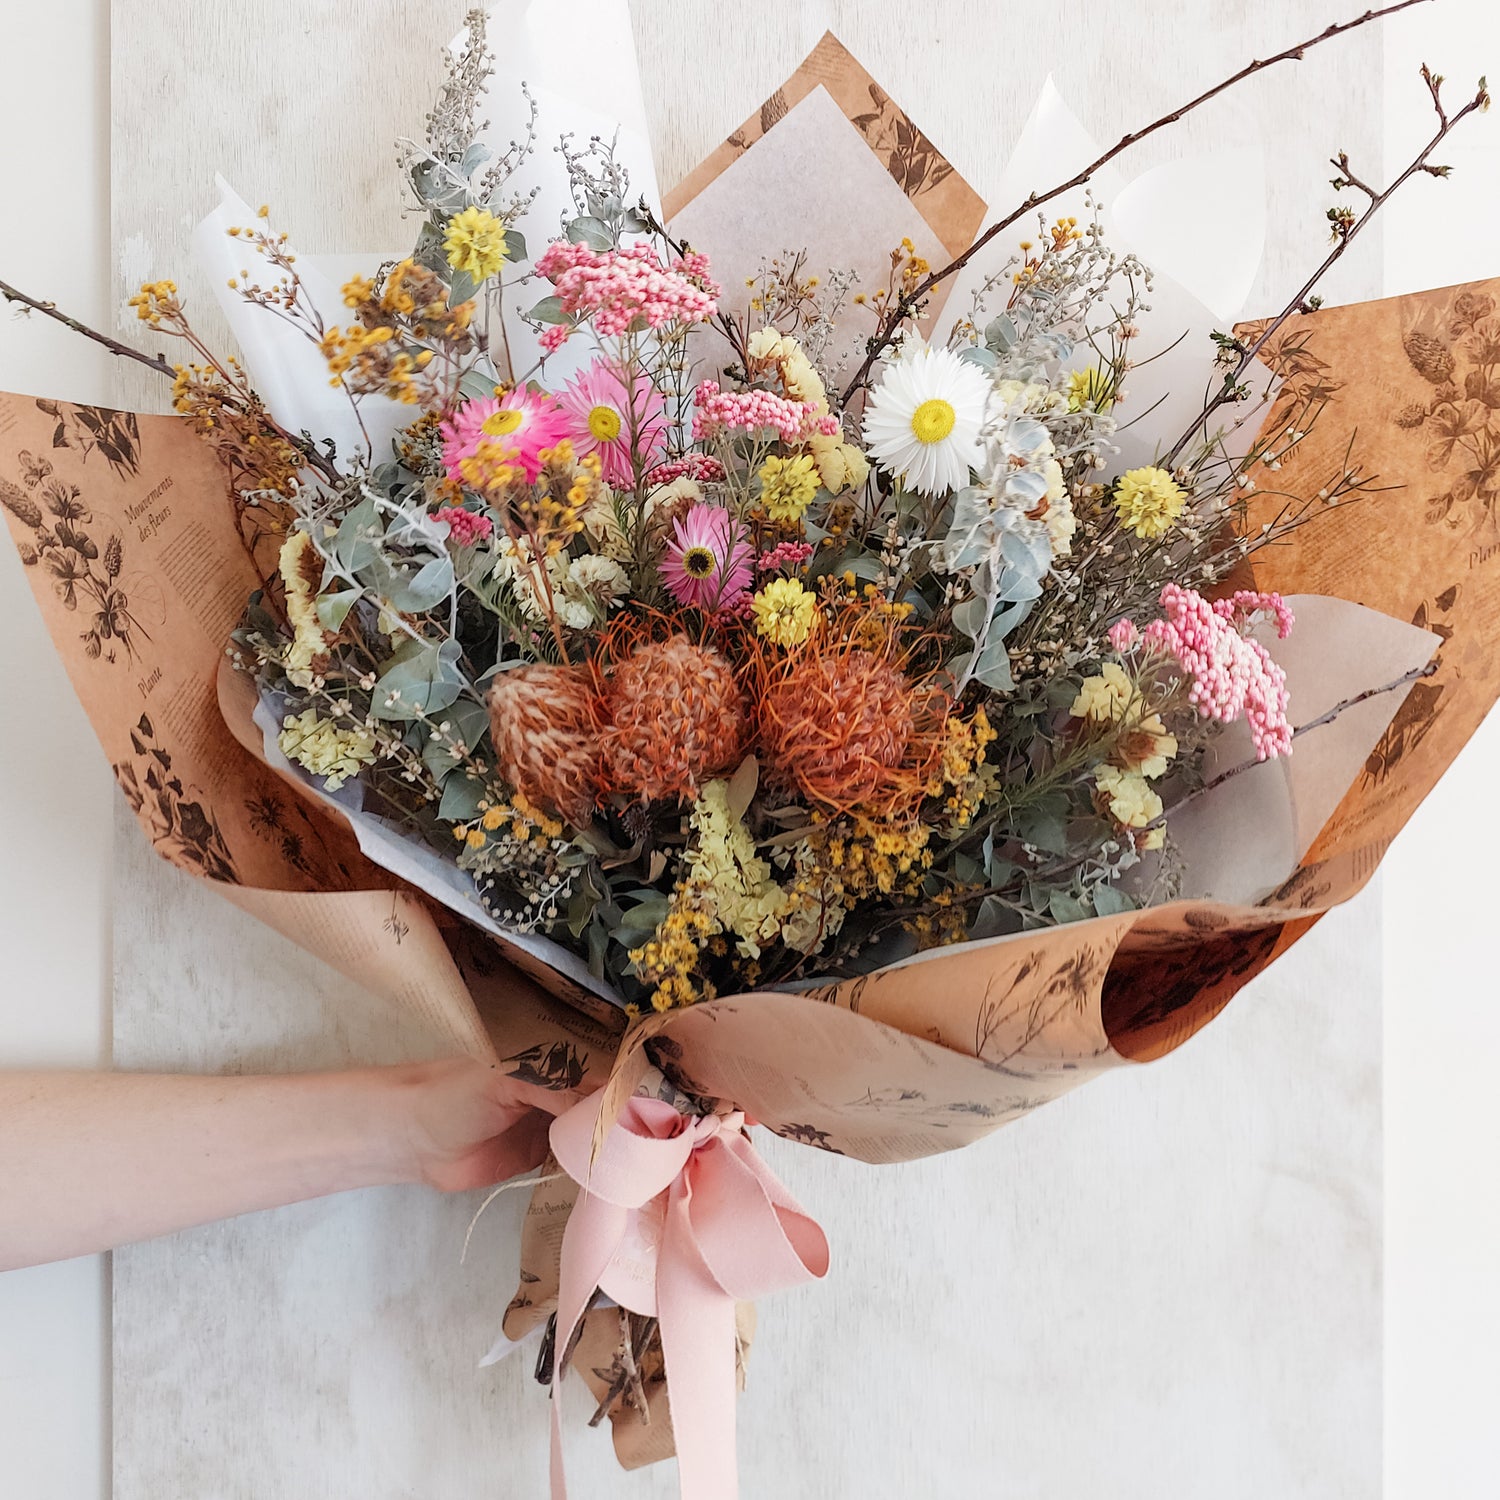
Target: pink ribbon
(678,1219)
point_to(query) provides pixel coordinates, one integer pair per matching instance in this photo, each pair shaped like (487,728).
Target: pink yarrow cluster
(699,466)
(621,289)
(466,528)
(1232,677)
(788,555)
(755,411)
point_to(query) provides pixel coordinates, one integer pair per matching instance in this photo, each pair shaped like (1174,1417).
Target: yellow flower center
(698,562)
(933,420)
(604,424)
(502,423)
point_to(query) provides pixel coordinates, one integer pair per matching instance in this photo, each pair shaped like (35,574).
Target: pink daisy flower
(708,564)
(524,420)
(600,412)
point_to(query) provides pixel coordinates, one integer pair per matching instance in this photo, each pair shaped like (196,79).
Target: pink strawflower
(755,411)
(697,466)
(625,290)
(1231,677)
(523,421)
(708,561)
(1123,635)
(603,414)
(789,555)
(466,528)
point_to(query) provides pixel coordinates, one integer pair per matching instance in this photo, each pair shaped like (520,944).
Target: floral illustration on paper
(1457,357)
(114,434)
(84,562)
(183,828)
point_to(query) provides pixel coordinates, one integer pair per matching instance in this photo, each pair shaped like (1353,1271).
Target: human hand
(457,1125)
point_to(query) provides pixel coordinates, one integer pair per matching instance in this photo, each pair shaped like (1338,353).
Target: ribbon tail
(595,1229)
(698,1342)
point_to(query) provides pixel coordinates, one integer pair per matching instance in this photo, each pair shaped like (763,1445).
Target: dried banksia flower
(676,718)
(846,729)
(544,722)
(1431,358)
(24,509)
(112,557)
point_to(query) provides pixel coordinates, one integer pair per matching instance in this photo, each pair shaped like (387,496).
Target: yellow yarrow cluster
(785,612)
(475,243)
(516,821)
(156,300)
(878,858)
(367,360)
(964,744)
(668,962)
(787,486)
(1148,501)
(320,746)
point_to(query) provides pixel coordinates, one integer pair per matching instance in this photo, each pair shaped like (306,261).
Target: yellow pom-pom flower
(1093,388)
(787,486)
(475,243)
(1148,501)
(785,612)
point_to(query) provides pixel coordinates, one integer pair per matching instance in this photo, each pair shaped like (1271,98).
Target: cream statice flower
(924,418)
(321,747)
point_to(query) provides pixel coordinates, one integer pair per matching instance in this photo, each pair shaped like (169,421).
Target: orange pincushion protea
(545,722)
(676,717)
(845,728)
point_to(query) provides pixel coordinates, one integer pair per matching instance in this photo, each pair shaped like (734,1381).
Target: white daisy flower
(924,417)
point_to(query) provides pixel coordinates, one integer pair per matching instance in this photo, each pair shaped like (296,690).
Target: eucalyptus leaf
(422,677)
(334,608)
(355,545)
(461,798)
(515,246)
(549,310)
(594,233)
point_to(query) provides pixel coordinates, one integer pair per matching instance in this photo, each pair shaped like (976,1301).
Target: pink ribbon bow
(679,1219)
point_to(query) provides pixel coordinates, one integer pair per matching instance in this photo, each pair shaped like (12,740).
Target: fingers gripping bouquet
(875,710)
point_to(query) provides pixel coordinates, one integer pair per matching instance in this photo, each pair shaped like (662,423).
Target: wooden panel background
(1167,1285)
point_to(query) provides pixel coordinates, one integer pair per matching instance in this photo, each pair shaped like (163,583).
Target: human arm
(89,1161)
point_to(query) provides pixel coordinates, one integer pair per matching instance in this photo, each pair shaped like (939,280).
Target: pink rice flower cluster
(1231,677)
(755,411)
(466,528)
(707,564)
(788,555)
(621,289)
(699,466)
(1244,604)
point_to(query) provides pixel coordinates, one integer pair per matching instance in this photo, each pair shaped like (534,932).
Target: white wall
(1442,992)
(1442,1016)
(56,793)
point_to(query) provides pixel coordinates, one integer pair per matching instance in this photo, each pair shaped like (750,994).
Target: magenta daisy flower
(525,421)
(708,564)
(601,410)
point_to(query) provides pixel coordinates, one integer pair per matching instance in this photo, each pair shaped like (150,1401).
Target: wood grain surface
(1166,1285)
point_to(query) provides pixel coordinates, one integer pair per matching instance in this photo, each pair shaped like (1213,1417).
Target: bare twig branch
(1346,226)
(115,347)
(908,303)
